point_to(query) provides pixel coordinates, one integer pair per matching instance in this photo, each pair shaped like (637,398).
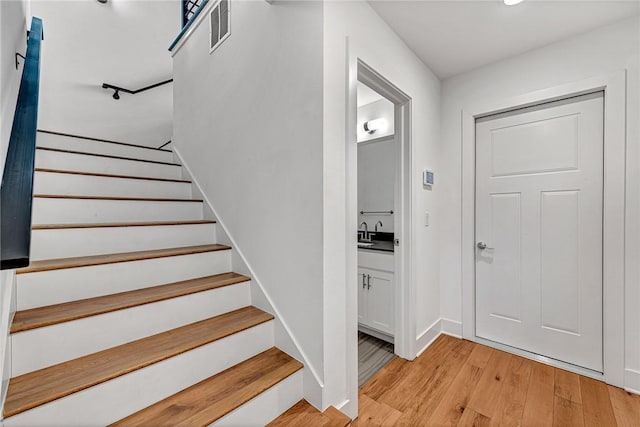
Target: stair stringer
(284,338)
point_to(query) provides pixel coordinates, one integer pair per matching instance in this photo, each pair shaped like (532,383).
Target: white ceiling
(452,37)
(122,42)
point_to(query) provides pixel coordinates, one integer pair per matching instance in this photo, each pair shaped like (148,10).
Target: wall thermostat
(427,179)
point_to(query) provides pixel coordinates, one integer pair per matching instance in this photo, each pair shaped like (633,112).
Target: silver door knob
(483,245)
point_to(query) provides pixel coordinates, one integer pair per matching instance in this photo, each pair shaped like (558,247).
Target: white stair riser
(95,164)
(79,211)
(76,242)
(267,406)
(89,146)
(70,284)
(88,185)
(49,345)
(115,399)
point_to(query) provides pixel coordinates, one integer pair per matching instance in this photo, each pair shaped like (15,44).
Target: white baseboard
(440,326)
(632,381)
(313,384)
(428,336)
(451,327)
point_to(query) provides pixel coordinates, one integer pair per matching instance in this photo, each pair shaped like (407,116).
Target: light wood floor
(457,382)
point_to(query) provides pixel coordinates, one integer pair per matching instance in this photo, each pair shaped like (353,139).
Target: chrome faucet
(365,234)
(380,224)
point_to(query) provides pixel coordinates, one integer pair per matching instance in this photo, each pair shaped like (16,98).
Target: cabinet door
(380,301)
(362,296)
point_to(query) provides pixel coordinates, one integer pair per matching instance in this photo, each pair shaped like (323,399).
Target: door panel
(539,192)
(380,301)
(559,261)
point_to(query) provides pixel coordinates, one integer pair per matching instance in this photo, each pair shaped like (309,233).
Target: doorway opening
(379,208)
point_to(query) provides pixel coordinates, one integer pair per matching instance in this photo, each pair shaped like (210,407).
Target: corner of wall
(7,310)
(283,337)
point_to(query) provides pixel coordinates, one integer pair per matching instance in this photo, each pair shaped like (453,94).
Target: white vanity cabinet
(376,307)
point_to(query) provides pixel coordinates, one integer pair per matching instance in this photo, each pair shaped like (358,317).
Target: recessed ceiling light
(512,2)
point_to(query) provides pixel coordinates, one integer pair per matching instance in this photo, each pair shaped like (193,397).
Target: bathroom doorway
(381,158)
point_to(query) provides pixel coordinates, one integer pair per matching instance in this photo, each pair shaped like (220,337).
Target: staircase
(129,313)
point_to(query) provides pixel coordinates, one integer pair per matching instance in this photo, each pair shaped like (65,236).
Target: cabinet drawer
(376,260)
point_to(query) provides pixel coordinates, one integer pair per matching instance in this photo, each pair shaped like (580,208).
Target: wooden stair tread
(86,261)
(120,224)
(103,140)
(53,314)
(45,385)
(108,175)
(108,156)
(140,199)
(302,413)
(213,398)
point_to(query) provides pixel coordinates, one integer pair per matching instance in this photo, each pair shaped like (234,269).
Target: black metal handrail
(16,190)
(118,89)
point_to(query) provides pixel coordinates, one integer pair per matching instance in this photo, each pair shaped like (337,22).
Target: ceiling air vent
(219,24)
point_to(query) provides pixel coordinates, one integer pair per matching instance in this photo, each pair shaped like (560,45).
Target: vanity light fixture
(512,2)
(375,125)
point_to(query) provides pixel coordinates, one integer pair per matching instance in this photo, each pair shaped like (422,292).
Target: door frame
(402,276)
(614,87)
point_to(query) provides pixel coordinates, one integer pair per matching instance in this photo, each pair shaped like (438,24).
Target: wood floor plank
(480,355)
(377,413)
(389,377)
(626,406)
(567,413)
(424,387)
(596,403)
(336,418)
(532,394)
(483,400)
(472,418)
(213,398)
(45,385)
(432,391)
(61,263)
(455,401)
(567,385)
(538,409)
(53,314)
(512,398)
(303,414)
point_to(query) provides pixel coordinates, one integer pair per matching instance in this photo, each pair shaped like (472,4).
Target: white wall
(602,51)
(122,42)
(13,25)
(248,124)
(353,29)
(376,182)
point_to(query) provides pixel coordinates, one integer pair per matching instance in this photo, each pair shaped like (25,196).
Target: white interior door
(539,193)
